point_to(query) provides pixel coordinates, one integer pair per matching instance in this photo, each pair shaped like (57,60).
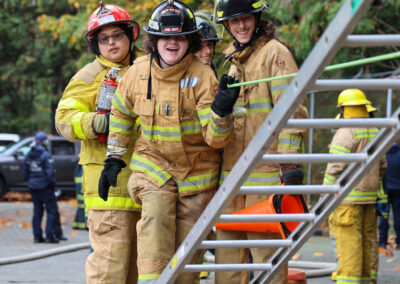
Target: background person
(354,220)
(38,171)
(255,53)
(111,33)
(392,178)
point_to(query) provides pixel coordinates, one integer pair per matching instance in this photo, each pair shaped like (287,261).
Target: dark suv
(65,155)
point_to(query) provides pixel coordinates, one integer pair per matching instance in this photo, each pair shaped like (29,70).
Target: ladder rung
(313,158)
(245,244)
(289,189)
(227,267)
(257,218)
(372,40)
(336,123)
(364,84)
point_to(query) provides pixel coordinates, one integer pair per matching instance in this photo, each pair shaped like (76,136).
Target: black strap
(149,82)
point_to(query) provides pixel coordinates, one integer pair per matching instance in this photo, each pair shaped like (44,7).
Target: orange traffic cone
(276,204)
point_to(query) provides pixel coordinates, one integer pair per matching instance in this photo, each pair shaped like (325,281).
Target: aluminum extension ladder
(335,36)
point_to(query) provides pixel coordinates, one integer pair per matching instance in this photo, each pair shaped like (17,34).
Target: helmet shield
(171,18)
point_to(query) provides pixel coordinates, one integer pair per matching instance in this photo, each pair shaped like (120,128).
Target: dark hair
(150,43)
(93,44)
(267,29)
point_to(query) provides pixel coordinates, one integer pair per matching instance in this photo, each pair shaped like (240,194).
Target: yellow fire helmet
(352,97)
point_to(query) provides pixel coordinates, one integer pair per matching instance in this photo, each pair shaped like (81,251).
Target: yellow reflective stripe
(119,103)
(78,225)
(78,179)
(79,197)
(161,133)
(190,13)
(259,105)
(257,4)
(374,275)
(148,278)
(149,168)
(220,131)
(112,202)
(361,196)
(199,182)
(120,125)
(257,178)
(190,127)
(76,125)
(204,115)
(367,133)
(336,149)
(328,179)
(278,87)
(347,279)
(71,103)
(289,142)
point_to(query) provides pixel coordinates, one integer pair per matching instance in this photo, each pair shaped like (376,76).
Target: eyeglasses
(105,39)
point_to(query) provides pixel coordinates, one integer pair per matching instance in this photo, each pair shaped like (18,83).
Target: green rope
(327,68)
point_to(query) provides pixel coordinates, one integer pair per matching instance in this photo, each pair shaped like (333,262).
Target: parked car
(65,155)
(7,139)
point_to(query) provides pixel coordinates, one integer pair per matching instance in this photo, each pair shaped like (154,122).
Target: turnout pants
(234,255)
(354,226)
(166,219)
(112,235)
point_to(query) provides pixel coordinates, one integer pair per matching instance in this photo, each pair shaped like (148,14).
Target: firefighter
(175,165)
(255,53)
(209,39)
(111,34)
(354,220)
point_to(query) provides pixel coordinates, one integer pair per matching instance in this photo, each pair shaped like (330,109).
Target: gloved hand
(101,122)
(292,174)
(225,98)
(382,209)
(108,177)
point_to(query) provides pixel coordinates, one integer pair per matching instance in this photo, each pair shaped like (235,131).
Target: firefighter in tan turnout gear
(111,33)
(353,221)
(175,166)
(255,53)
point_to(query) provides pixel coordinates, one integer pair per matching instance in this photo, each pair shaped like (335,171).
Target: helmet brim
(149,31)
(132,23)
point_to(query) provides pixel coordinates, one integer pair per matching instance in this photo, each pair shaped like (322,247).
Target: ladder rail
(365,84)
(372,40)
(330,42)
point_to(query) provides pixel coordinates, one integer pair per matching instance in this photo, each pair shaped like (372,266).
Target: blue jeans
(394,203)
(44,199)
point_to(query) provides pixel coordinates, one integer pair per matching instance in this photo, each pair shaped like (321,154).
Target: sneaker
(52,240)
(38,240)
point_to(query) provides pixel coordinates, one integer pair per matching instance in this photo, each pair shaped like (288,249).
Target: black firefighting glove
(225,98)
(292,174)
(108,177)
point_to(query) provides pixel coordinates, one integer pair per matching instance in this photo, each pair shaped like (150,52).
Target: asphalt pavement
(16,242)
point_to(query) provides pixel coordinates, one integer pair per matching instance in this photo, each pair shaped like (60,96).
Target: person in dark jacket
(392,178)
(38,170)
